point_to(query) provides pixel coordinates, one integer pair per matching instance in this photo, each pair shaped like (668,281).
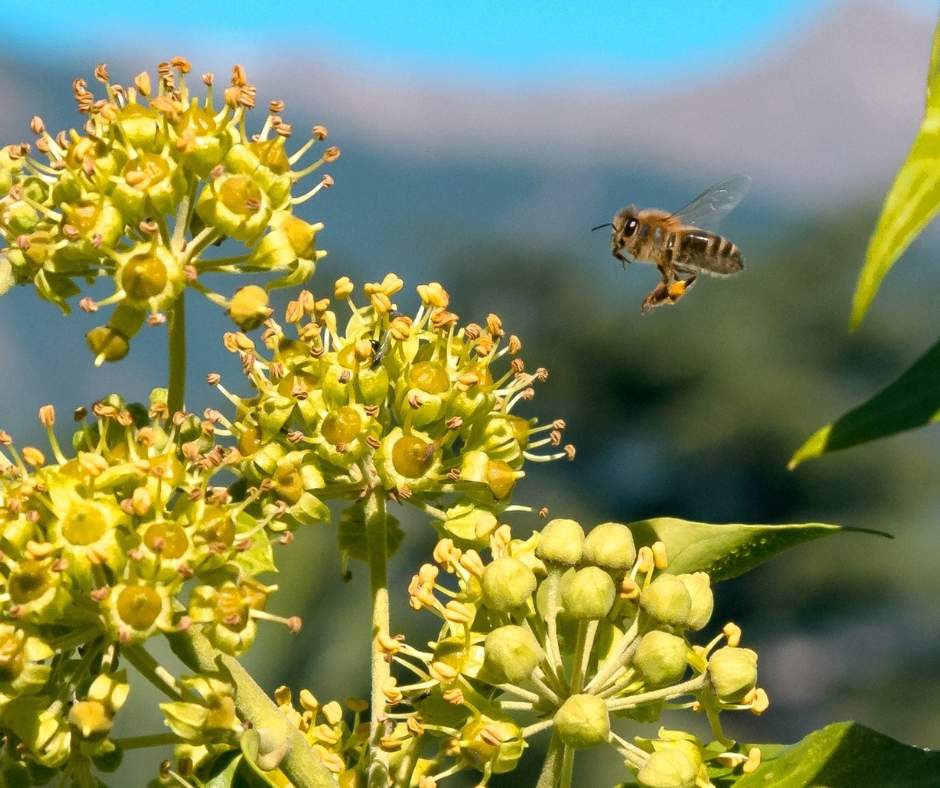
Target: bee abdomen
(710,253)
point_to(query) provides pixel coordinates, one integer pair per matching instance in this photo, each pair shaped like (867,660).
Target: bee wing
(713,204)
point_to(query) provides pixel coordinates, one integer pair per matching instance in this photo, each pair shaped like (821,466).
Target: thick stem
(377,540)
(177,354)
(301,763)
(550,769)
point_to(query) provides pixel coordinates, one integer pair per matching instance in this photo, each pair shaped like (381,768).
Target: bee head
(625,222)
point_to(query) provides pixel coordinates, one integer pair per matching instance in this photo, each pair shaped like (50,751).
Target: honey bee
(680,244)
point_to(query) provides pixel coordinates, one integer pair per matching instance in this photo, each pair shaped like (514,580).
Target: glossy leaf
(913,400)
(844,754)
(724,551)
(912,201)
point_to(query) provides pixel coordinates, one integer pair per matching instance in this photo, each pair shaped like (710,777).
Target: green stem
(300,764)
(685,688)
(153,740)
(177,354)
(549,776)
(567,767)
(377,541)
(150,669)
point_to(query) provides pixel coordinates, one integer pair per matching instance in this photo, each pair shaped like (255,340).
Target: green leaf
(844,755)
(351,533)
(913,400)
(724,551)
(224,769)
(912,201)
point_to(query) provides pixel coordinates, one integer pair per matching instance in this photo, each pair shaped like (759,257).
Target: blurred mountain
(830,108)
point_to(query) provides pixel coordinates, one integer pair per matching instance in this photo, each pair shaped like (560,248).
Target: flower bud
(610,545)
(494,743)
(660,658)
(703,600)
(668,768)
(249,307)
(583,721)
(667,600)
(561,542)
(473,466)
(733,673)
(588,594)
(507,584)
(511,653)
(107,343)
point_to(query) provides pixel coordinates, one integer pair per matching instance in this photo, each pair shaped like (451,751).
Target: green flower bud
(249,307)
(670,768)
(151,277)
(209,720)
(469,523)
(200,142)
(495,743)
(290,239)
(21,662)
(267,163)
(660,658)
(589,594)
(583,721)
(149,185)
(107,344)
(733,673)
(507,584)
(140,126)
(511,653)
(373,385)
(561,542)
(667,601)
(610,545)
(98,223)
(501,479)
(703,600)
(473,466)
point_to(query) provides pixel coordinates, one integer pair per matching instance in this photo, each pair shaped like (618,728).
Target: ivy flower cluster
(418,407)
(564,632)
(126,537)
(155,179)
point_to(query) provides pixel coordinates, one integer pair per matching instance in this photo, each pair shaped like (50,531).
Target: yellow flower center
(412,457)
(241,195)
(430,377)
(167,539)
(342,426)
(139,606)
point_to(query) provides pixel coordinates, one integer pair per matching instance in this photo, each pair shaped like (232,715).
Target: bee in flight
(680,244)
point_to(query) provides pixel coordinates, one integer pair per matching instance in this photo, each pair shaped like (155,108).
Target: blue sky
(621,39)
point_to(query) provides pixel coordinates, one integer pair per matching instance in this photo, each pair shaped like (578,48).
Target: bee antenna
(605,224)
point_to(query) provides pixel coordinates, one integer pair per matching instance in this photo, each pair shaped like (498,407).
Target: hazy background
(480,143)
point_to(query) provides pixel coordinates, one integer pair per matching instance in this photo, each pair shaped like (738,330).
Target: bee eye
(630,228)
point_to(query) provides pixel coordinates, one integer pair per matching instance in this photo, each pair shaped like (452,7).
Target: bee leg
(623,259)
(658,296)
(679,287)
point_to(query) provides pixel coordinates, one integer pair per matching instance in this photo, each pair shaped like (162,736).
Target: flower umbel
(155,180)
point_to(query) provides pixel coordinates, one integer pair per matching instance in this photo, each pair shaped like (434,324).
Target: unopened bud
(583,721)
(511,653)
(507,584)
(561,542)
(610,545)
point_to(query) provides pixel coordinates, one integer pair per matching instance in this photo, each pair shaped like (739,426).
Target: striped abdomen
(701,250)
